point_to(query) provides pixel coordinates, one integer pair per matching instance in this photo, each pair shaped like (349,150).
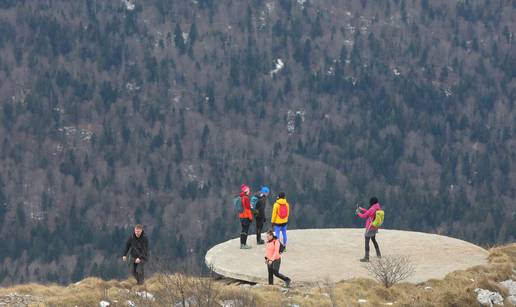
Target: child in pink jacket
(370,230)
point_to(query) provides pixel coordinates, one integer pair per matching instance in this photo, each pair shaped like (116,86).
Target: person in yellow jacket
(279,219)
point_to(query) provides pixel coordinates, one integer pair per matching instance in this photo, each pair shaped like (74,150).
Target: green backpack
(237,205)
(378,218)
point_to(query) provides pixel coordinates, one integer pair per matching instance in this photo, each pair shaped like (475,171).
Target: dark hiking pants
(259,228)
(376,247)
(273,269)
(245,230)
(138,272)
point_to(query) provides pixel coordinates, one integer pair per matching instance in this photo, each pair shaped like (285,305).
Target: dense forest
(117,112)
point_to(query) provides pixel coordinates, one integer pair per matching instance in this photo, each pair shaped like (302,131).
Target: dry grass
(456,289)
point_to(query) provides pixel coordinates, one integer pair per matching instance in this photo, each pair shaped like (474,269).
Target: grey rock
(510,285)
(488,298)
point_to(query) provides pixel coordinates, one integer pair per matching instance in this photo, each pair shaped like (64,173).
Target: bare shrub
(183,288)
(174,287)
(390,269)
(329,288)
(206,292)
(239,299)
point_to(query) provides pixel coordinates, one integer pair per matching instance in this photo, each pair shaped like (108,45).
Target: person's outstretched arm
(368,213)
(365,214)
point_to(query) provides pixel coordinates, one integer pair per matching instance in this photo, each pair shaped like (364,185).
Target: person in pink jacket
(370,230)
(273,259)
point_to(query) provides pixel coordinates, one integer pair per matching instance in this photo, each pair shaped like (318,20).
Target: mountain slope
(123,112)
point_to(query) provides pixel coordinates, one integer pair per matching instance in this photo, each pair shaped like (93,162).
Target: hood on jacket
(281,201)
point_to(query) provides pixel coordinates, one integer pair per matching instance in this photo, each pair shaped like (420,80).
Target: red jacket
(246,203)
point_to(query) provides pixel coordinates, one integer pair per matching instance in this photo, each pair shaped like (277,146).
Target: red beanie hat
(244,188)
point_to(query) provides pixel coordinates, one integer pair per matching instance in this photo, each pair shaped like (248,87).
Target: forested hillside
(117,112)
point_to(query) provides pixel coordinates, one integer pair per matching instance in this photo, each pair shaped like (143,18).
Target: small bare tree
(329,287)
(240,299)
(390,269)
(175,287)
(206,291)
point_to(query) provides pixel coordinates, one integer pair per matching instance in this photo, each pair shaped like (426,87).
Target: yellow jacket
(276,219)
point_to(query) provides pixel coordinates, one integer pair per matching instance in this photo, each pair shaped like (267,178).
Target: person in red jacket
(370,230)
(246,217)
(273,259)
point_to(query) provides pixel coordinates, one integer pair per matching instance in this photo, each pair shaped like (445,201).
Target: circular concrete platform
(318,254)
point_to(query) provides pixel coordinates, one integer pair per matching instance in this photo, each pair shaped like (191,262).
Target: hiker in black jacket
(260,213)
(139,246)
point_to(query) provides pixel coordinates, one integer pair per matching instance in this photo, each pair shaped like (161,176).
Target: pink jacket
(369,215)
(272,250)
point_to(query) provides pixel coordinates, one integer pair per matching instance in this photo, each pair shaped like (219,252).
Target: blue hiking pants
(283,229)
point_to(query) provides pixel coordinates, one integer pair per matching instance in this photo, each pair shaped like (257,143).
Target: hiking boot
(140,279)
(378,254)
(287,283)
(244,246)
(366,257)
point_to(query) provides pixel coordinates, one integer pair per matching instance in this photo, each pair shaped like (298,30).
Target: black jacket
(260,206)
(139,247)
